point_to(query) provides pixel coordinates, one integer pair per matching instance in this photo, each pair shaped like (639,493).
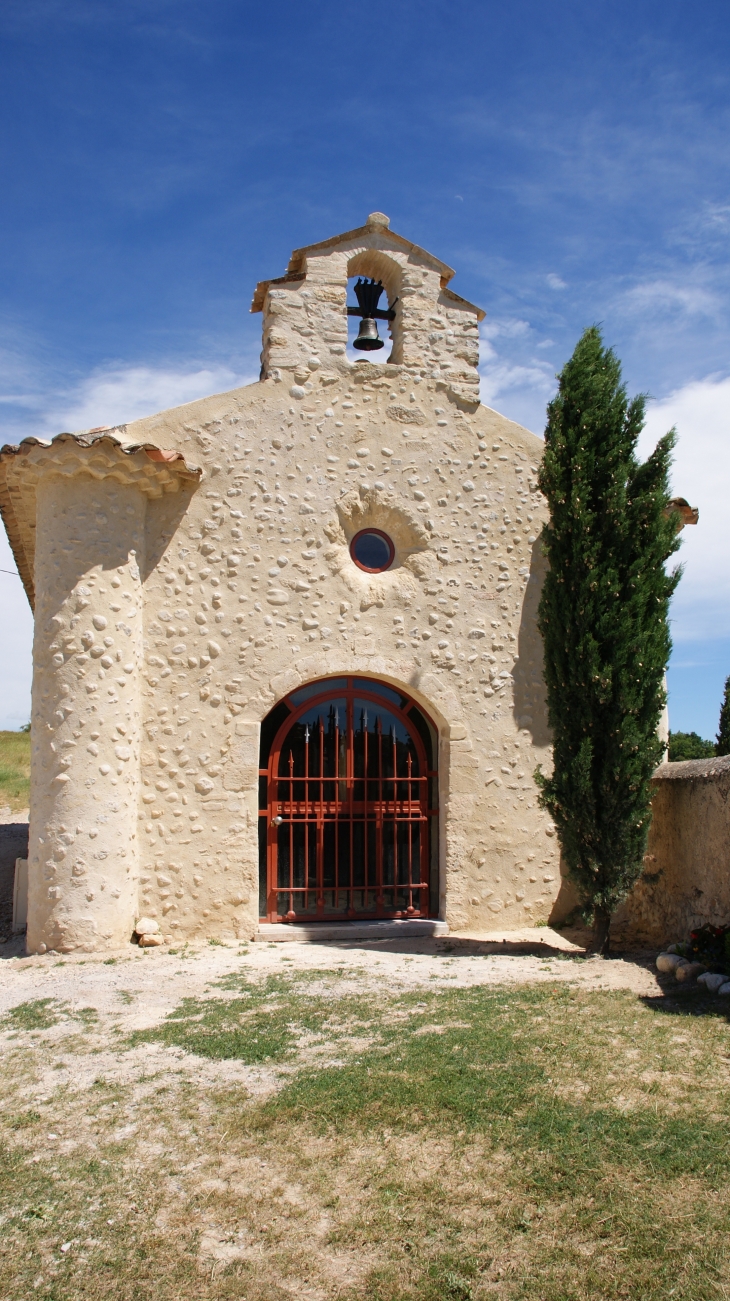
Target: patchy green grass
(265,1023)
(540,1143)
(40,1014)
(43,1013)
(15,770)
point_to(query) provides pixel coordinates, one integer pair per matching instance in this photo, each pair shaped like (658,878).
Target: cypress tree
(603,618)
(723,735)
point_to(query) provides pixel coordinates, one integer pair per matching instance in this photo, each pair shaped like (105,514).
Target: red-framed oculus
(372,550)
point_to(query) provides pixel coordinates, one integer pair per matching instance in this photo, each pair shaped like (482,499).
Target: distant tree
(723,736)
(603,618)
(689,745)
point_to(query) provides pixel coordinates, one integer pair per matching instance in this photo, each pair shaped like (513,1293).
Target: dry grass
(14,770)
(541,1142)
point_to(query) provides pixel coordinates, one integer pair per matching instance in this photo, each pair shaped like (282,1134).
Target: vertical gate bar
(365,798)
(320,823)
(305,895)
(396,863)
(379,816)
(409,770)
(424,894)
(272,851)
(350,769)
(336,789)
(290,806)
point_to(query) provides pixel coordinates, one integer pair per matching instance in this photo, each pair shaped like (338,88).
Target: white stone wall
(248,590)
(85,771)
(305,325)
(256,593)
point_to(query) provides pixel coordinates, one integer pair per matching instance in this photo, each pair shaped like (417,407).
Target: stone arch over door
(348,804)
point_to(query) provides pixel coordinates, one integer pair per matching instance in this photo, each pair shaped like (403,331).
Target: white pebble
(712,980)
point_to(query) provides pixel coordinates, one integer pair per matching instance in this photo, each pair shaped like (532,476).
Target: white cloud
(507,327)
(503,377)
(16,641)
(555,282)
(512,380)
(105,398)
(701,473)
(671,296)
(119,396)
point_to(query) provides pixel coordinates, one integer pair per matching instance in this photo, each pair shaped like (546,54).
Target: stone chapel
(286,666)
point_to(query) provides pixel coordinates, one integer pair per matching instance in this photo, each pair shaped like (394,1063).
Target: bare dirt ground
(158,979)
(155,1143)
(136,989)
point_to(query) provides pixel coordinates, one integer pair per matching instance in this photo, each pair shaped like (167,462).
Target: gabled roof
(377,223)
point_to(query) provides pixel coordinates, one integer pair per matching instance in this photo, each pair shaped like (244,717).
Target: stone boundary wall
(686,881)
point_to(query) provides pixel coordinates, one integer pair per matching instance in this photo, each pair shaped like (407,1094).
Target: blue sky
(570,160)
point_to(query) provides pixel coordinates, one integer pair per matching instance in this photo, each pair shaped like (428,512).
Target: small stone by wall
(686,881)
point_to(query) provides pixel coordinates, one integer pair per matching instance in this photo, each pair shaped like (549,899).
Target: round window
(372,550)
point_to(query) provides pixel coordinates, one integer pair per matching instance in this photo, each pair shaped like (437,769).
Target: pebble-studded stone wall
(304,314)
(83,850)
(248,590)
(257,594)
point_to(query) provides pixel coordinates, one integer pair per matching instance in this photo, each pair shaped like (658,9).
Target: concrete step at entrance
(321,932)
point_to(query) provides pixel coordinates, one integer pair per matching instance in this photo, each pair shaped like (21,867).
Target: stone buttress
(86,502)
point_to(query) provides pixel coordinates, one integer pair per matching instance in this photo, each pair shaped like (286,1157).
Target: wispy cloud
(672,296)
(127,393)
(512,379)
(701,413)
(111,396)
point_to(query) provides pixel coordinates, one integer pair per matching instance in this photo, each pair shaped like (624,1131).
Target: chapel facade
(286,663)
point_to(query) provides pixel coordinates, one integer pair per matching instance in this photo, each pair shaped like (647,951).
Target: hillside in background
(14,770)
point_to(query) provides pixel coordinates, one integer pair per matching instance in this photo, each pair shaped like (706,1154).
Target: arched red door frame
(355,842)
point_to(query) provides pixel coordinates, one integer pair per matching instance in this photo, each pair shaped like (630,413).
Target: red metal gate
(350,806)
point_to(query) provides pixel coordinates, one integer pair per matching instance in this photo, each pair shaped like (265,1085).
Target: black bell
(368,338)
(368,294)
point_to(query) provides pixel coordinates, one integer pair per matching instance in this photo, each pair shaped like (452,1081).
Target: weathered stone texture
(145,768)
(686,882)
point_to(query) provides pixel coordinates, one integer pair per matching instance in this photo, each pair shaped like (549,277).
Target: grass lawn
(543,1142)
(14,770)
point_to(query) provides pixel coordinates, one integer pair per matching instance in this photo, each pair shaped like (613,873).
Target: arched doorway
(348,804)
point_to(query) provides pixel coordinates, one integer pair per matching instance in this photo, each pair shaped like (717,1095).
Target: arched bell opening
(348,805)
(367,266)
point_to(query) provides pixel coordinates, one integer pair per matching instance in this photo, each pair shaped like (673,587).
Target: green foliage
(15,769)
(723,735)
(689,745)
(40,1014)
(709,945)
(603,619)
(263,1024)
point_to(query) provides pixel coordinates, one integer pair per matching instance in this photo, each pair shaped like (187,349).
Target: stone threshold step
(321,932)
